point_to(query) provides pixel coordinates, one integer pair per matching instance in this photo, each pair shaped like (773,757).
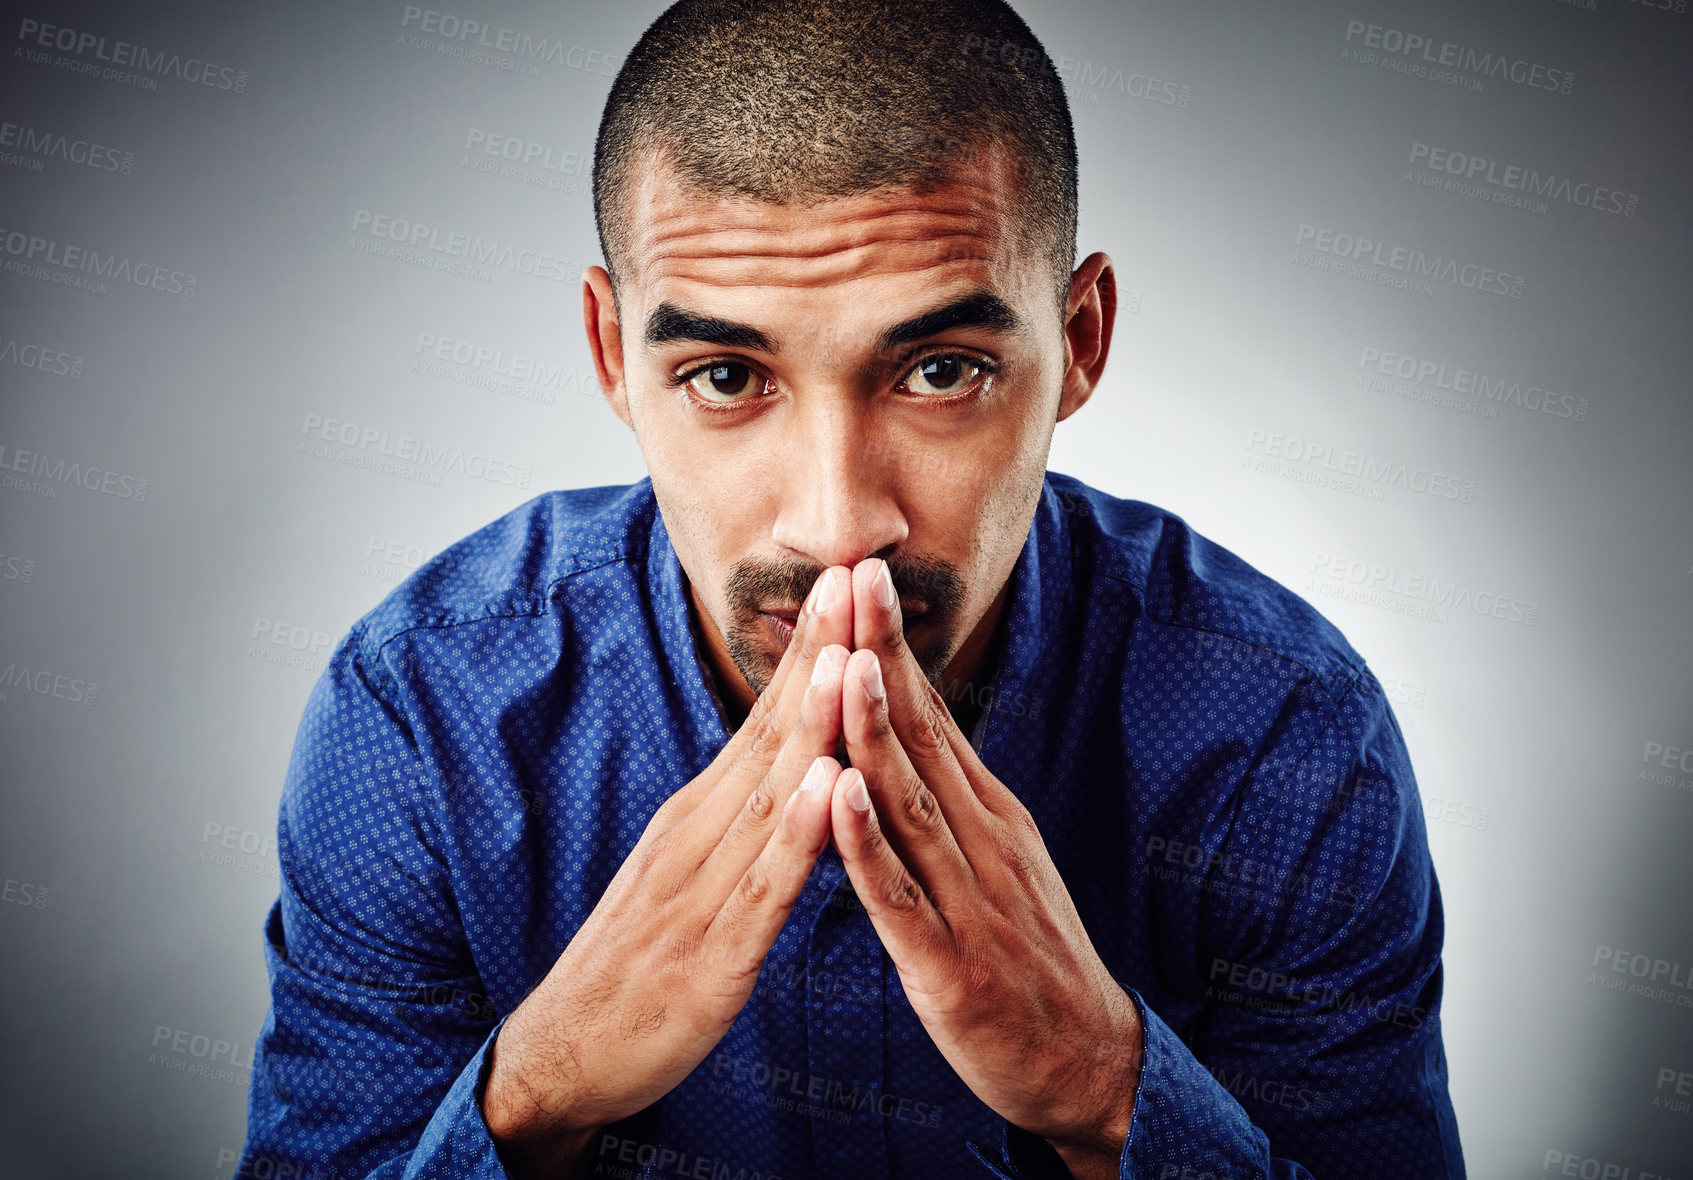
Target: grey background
(136,827)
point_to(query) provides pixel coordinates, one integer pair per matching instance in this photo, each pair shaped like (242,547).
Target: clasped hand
(947,862)
(954,875)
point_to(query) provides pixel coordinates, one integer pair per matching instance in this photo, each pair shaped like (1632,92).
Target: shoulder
(1208,597)
(511,566)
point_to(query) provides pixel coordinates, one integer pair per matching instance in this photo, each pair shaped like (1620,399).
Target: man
(639,833)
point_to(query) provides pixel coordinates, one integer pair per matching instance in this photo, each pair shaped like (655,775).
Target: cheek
(691,533)
(709,530)
(971,525)
(999,512)
(994,474)
(699,463)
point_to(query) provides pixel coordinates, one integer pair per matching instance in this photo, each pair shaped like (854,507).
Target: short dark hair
(800,100)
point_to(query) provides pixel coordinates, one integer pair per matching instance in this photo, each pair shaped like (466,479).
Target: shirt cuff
(456,1140)
(1185,1123)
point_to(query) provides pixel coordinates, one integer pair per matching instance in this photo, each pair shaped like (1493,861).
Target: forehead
(965,232)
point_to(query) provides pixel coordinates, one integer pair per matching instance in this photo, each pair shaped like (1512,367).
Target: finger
(825,617)
(742,932)
(911,814)
(994,795)
(823,606)
(937,747)
(904,916)
(919,717)
(748,829)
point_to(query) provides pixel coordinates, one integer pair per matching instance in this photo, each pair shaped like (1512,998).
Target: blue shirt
(1216,773)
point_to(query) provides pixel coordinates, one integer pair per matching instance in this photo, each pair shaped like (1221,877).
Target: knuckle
(930,736)
(668,813)
(761,802)
(1022,818)
(922,809)
(755,886)
(766,736)
(879,724)
(657,849)
(936,700)
(901,894)
(888,644)
(680,954)
(720,959)
(1008,846)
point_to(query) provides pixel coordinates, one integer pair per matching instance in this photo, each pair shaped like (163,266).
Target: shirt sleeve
(1316,1050)
(372,1058)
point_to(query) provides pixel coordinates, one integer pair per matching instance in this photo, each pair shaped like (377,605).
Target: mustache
(755,584)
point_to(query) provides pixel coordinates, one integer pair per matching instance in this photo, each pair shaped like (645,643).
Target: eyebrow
(669,322)
(979,309)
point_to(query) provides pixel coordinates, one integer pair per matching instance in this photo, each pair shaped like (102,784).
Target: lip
(781,622)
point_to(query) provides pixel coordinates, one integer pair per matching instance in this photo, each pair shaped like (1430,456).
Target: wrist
(528,1143)
(1095,1146)
(1094,1156)
(517,1105)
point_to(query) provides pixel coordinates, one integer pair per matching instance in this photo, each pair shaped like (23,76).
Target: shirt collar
(1021,691)
(683,662)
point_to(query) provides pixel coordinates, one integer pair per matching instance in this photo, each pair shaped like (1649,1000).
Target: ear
(1089,314)
(605,339)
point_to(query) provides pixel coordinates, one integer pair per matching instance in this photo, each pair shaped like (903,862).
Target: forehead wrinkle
(974,209)
(683,223)
(766,216)
(828,269)
(697,235)
(661,193)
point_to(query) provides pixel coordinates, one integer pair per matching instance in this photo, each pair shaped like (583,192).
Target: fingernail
(824,666)
(825,592)
(883,586)
(817,775)
(857,797)
(873,681)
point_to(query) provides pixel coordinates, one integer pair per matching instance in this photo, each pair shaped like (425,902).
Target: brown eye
(726,381)
(943,374)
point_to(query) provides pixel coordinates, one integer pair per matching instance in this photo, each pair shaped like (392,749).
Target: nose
(839,484)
